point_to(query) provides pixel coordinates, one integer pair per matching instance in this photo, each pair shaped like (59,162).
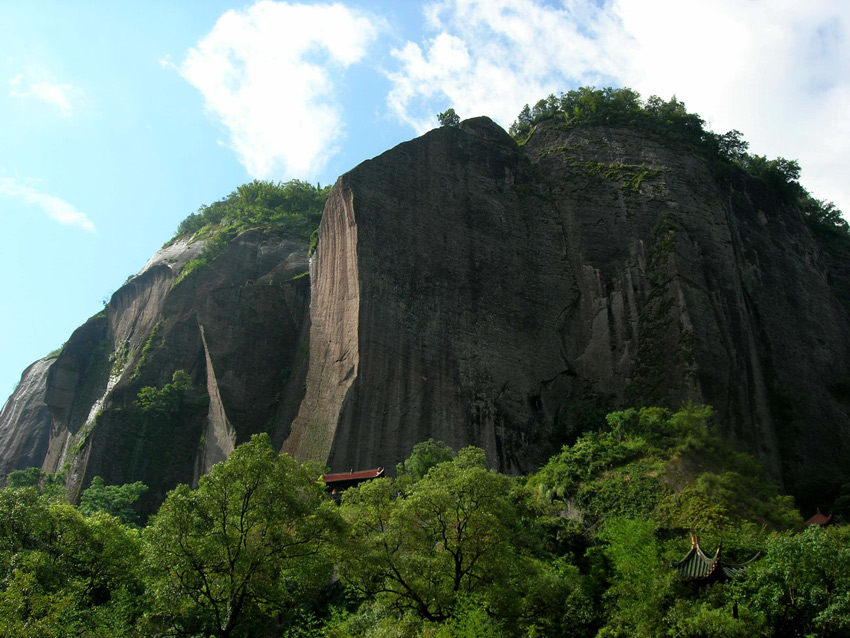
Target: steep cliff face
(478,292)
(25,421)
(440,284)
(471,290)
(237,328)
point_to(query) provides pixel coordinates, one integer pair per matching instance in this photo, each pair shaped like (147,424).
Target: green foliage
(802,585)
(167,400)
(587,106)
(450,549)
(226,557)
(64,574)
(154,339)
(52,486)
(826,221)
(425,455)
(447,546)
(314,242)
(27,477)
(630,175)
(294,206)
(54,354)
(641,582)
(112,499)
(711,616)
(632,468)
(449,536)
(670,121)
(449,118)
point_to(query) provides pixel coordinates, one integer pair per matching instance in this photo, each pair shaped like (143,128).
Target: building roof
(699,566)
(360,475)
(819,519)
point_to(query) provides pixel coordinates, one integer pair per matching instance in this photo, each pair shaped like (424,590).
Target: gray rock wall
(237,329)
(25,422)
(478,292)
(471,290)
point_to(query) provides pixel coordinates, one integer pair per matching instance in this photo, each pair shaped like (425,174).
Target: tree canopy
(450,549)
(112,499)
(295,207)
(223,558)
(448,118)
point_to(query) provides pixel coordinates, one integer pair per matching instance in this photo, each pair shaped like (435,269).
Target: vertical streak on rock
(334,316)
(220,437)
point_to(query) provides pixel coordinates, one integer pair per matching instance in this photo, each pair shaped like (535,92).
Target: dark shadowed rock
(471,290)
(237,329)
(478,292)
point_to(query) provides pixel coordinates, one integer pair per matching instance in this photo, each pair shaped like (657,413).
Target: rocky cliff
(472,290)
(480,292)
(237,330)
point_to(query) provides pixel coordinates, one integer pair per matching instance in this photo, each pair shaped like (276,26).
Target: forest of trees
(448,548)
(294,205)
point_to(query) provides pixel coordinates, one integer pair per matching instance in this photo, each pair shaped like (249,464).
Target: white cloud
(267,73)
(55,208)
(778,70)
(39,84)
(489,57)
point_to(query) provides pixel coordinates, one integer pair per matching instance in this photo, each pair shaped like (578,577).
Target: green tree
(62,573)
(51,485)
(448,538)
(449,118)
(167,400)
(112,499)
(802,584)
(224,558)
(27,477)
(425,455)
(825,216)
(295,206)
(641,582)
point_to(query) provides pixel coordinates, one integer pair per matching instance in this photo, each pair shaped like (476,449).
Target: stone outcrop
(472,290)
(475,291)
(25,422)
(237,329)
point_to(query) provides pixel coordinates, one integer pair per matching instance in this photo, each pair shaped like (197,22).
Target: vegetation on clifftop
(295,207)
(670,120)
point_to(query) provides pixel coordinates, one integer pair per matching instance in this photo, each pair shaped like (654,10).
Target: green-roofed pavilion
(697,566)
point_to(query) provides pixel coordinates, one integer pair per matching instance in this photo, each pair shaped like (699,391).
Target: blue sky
(121,118)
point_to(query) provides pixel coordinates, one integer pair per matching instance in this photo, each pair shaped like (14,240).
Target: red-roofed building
(819,519)
(343,480)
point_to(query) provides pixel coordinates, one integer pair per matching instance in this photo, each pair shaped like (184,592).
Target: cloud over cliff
(269,75)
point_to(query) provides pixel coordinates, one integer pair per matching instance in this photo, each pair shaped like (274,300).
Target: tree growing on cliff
(295,206)
(449,118)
